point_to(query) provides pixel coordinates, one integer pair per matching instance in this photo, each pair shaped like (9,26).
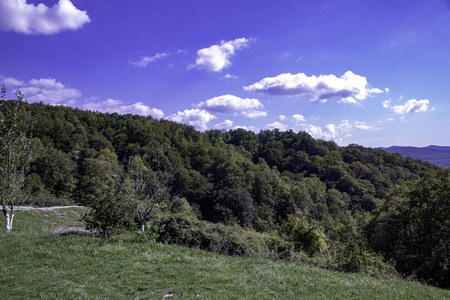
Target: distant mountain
(437,155)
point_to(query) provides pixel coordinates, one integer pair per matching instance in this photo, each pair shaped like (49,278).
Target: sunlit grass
(35,263)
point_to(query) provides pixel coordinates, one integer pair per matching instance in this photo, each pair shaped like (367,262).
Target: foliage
(413,228)
(306,237)
(17,151)
(187,230)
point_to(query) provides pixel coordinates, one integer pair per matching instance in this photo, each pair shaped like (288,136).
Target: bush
(353,258)
(187,230)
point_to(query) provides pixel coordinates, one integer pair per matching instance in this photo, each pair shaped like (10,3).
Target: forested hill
(437,155)
(265,182)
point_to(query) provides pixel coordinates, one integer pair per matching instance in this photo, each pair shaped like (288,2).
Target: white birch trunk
(7,223)
(11,220)
(143,228)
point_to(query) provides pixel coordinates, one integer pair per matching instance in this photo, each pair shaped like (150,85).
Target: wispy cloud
(21,17)
(349,88)
(144,61)
(217,57)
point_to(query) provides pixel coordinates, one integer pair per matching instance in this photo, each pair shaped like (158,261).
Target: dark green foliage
(413,228)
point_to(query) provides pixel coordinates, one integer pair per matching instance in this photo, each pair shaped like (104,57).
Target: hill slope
(437,155)
(38,263)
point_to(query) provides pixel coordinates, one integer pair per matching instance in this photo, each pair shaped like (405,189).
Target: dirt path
(59,230)
(44,208)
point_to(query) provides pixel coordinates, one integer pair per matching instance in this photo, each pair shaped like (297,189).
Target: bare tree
(146,186)
(17,151)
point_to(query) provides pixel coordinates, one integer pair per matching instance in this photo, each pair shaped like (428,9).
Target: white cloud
(281,117)
(228,104)
(144,61)
(386,90)
(362,125)
(9,81)
(51,96)
(336,132)
(118,106)
(387,103)
(411,106)
(248,128)
(298,118)
(50,91)
(349,88)
(217,57)
(199,118)
(229,76)
(254,114)
(224,124)
(19,16)
(49,83)
(277,125)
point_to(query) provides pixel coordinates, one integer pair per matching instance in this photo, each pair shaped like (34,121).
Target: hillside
(285,193)
(436,155)
(37,263)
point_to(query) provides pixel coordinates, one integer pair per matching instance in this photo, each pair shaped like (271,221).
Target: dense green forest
(346,208)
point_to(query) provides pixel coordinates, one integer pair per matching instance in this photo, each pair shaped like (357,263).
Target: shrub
(187,230)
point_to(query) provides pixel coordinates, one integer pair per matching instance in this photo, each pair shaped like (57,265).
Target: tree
(145,187)
(17,151)
(98,190)
(413,228)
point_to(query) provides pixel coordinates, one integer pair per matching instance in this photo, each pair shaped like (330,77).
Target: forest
(275,194)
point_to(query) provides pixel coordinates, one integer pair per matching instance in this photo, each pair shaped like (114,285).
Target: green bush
(187,230)
(353,258)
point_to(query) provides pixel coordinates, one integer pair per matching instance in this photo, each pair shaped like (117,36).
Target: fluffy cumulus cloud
(10,81)
(217,57)
(277,125)
(224,124)
(336,132)
(199,118)
(298,118)
(230,104)
(349,88)
(50,91)
(144,61)
(118,106)
(19,16)
(411,106)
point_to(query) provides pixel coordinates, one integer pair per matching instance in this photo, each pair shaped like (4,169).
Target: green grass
(35,263)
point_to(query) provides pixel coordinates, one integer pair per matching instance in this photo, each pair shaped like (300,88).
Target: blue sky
(375,73)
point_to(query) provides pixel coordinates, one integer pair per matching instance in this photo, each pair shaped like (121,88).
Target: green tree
(17,151)
(413,228)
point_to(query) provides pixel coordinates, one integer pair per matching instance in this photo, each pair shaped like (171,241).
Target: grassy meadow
(38,263)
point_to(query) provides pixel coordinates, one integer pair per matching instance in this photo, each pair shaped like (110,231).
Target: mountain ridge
(437,155)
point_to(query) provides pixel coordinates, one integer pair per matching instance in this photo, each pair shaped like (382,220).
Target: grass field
(36,263)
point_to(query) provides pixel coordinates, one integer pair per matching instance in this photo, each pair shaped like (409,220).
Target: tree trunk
(8,220)
(143,227)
